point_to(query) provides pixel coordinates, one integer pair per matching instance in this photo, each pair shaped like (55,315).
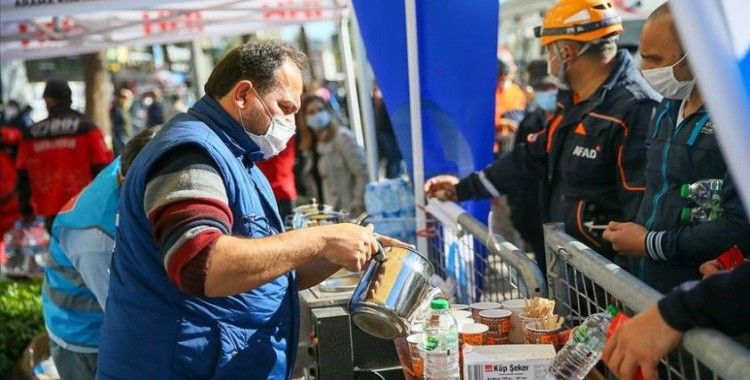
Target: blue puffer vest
(152,330)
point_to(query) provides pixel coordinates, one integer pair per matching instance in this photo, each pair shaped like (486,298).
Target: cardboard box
(507,362)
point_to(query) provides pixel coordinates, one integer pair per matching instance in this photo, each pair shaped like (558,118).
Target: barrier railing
(583,282)
(482,265)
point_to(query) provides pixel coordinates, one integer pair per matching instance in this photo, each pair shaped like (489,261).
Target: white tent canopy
(51,28)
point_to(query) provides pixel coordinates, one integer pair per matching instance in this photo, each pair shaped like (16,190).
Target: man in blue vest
(77,276)
(204,280)
(682,150)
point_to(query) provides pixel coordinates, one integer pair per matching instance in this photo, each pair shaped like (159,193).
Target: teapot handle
(379,256)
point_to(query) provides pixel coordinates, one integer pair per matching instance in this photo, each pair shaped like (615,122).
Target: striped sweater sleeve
(186,204)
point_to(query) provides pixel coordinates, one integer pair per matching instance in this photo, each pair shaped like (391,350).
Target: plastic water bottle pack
(390,204)
(26,249)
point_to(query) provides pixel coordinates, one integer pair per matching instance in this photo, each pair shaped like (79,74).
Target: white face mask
(662,80)
(279,132)
(560,77)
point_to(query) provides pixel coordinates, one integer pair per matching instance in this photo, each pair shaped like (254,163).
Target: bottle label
(581,334)
(430,343)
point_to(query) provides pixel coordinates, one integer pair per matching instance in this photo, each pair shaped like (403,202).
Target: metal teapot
(393,293)
(316,214)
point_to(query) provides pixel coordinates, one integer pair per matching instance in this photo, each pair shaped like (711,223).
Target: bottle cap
(685,191)
(439,304)
(613,310)
(686,214)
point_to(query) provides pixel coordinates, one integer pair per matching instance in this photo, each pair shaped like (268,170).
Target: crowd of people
(612,159)
(181,238)
(195,195)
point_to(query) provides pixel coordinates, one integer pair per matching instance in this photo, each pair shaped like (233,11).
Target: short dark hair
(59,90)
(134,146)
(603,48)
(256,61)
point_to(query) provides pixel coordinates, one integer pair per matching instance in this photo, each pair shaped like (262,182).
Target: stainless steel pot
(394,292)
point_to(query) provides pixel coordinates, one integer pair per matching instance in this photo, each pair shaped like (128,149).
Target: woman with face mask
(334,168)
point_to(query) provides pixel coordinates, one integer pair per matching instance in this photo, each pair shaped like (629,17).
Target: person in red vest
(58,156)
(9,139)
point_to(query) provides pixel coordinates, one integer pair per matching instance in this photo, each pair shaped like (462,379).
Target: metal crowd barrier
(583,282)
(481,265)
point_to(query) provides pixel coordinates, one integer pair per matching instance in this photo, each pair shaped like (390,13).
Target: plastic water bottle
(391,200)
(583,350)
(406,198)
(440,346)
(38,246)
(704,193)
(699,214)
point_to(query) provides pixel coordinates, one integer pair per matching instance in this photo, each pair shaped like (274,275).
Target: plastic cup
(516,308)
(416,328)
(459,306)
(479,306)
(498,320)
(536,335)
(463,322)
(526,321)
(461,314)
(494,339)
(404,356)
(472,334)
(417,362)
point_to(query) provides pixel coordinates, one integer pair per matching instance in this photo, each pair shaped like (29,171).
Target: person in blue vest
(683,149)
(77,276)
(204,279)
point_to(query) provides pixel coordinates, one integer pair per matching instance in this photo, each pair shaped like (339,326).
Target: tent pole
(200,69)
(365,97)
(352,98)
(415,110)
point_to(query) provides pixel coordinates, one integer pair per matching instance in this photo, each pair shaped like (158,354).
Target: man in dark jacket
(589,159)
(682,150)
(524,206)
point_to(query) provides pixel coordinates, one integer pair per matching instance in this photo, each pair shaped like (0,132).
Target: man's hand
(640,342)
(627,238)
(348,245)
(710,268)
(387,241)
(442,187)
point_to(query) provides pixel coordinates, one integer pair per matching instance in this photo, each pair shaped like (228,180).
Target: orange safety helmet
(579,20)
